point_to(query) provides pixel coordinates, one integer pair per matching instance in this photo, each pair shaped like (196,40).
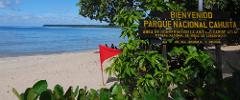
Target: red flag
(106,52)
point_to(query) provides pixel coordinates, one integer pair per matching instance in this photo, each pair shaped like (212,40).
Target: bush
(185,73)
(39,91)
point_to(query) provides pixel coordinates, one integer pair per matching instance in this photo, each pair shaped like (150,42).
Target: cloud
(8,3)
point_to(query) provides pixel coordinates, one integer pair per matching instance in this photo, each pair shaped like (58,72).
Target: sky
(39,12)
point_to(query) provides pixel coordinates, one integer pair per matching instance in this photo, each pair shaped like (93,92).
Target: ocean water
(18,41)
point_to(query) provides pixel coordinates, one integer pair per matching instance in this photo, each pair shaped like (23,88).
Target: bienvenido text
(191,15)
(188,24)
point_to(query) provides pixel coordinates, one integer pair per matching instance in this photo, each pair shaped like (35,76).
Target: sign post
(200,5)
(164,51)
(218,56)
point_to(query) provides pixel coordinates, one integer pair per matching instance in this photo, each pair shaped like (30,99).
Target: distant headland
(81,26)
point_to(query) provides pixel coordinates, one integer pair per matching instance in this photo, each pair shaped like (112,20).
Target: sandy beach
(67,69)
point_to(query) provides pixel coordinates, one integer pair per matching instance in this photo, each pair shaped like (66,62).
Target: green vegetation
(39,91)
(141,69)
(186,73)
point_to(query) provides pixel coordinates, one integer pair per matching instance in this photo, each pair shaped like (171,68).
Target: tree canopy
(186,73)
(105,10)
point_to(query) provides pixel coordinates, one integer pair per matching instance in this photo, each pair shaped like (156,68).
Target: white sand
(67,69)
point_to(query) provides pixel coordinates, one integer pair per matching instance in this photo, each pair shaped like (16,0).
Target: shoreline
(45,53)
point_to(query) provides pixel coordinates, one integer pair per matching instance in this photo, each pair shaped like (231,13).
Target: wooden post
(218,61)
(164,51)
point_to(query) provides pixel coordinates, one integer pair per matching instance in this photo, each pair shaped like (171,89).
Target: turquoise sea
(19,41)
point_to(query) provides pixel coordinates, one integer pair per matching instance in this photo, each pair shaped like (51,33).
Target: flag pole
(102,75)
(105,53)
